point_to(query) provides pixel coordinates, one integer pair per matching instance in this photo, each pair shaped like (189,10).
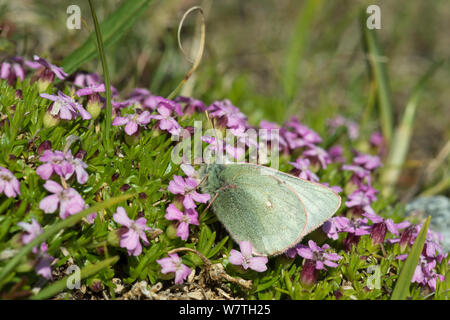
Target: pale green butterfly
(271,209)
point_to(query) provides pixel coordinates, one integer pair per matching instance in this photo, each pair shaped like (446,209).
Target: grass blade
(113,28)
(400,143)
(70,221)
(401,289)
(309,10)
(101,51)
(60,285)
(377,65)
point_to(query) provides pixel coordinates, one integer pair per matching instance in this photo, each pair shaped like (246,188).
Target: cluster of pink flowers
(187,195)
(425,273)
(10,186)
(159,113)
(43,261)
(144,104)
(66,198)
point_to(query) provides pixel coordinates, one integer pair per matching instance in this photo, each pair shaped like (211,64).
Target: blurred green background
(273,59)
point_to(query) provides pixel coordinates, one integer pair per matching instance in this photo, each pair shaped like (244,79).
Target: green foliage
(367,271)
(112,29)
(407,272)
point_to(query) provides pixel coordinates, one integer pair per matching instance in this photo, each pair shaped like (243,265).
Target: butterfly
(271,209)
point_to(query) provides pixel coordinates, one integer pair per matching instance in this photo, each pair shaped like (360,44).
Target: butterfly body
(271,209)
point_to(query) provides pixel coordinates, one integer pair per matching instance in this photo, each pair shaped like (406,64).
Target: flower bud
(49,120)
(133,139)
(309,274)
(407,237)
(81,154)
(350,241)
(46,77)
(96,285)
(94,105)
(171,231)
(142,196)
(115,176)
(45,145)
(378,233)
(125,187)
(113,238)
(19,94)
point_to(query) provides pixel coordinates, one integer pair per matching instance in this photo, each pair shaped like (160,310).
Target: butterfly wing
(321,202)
(259,208)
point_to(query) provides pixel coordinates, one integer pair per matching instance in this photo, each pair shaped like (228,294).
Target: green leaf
(299,41)
(101,51)
(60,285)
(113,28)
(401,289)
(400,143)
(377,65)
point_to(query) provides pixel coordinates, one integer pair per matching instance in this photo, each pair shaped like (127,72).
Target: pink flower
(134,232)
(302,170)
(273,132)
(40,62)
(91,89)
(318,254)
(65,107)
(317,154)
(55,162)
(32,230)
(246,259)
(69,200)
(352,127)
(192,105)
(185,219)
(9,184)
(377,141)
(12,70)
(361,199)
(78,166)
(217,146)
(43,266)
(87,79)
(154,102)
(228,115)
(336,154)
(306,135)
(380,226)
(359,174)
(173,264)
(367,161)
(166,121)
(356,226)
(132,121)
(187,187)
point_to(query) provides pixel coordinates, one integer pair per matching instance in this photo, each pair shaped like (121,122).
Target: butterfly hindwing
(321,202)
(259,208)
